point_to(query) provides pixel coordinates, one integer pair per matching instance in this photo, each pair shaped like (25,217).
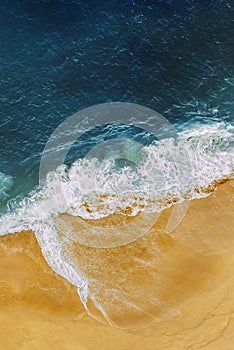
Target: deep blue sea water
(58,56)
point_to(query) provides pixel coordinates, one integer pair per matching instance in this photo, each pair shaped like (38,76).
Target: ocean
(59,58)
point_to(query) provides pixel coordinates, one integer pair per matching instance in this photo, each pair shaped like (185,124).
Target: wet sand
(41,310)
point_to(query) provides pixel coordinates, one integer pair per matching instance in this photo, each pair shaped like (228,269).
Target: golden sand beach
(195,283)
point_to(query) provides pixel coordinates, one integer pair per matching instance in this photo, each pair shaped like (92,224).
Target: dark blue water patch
(99,134)
(58,57)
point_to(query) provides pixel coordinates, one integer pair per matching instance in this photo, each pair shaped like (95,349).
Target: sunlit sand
(160,292)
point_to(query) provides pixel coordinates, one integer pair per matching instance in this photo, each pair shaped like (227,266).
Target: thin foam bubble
(6,183)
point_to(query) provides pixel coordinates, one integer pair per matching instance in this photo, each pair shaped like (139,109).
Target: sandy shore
(41,310)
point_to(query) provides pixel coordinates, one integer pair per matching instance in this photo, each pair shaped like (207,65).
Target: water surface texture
(58,57)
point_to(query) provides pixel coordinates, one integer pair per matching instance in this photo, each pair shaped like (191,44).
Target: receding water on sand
(142,283)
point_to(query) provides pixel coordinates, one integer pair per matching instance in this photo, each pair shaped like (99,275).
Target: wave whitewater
(169,171)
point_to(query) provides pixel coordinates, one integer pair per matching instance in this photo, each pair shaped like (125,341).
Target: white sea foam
(170,169)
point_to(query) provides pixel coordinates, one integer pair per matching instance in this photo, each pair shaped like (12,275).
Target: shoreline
(49,310)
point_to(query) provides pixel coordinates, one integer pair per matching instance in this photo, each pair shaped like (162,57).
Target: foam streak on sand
(187,288)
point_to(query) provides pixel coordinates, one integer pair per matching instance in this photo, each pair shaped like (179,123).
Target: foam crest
(170,170)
